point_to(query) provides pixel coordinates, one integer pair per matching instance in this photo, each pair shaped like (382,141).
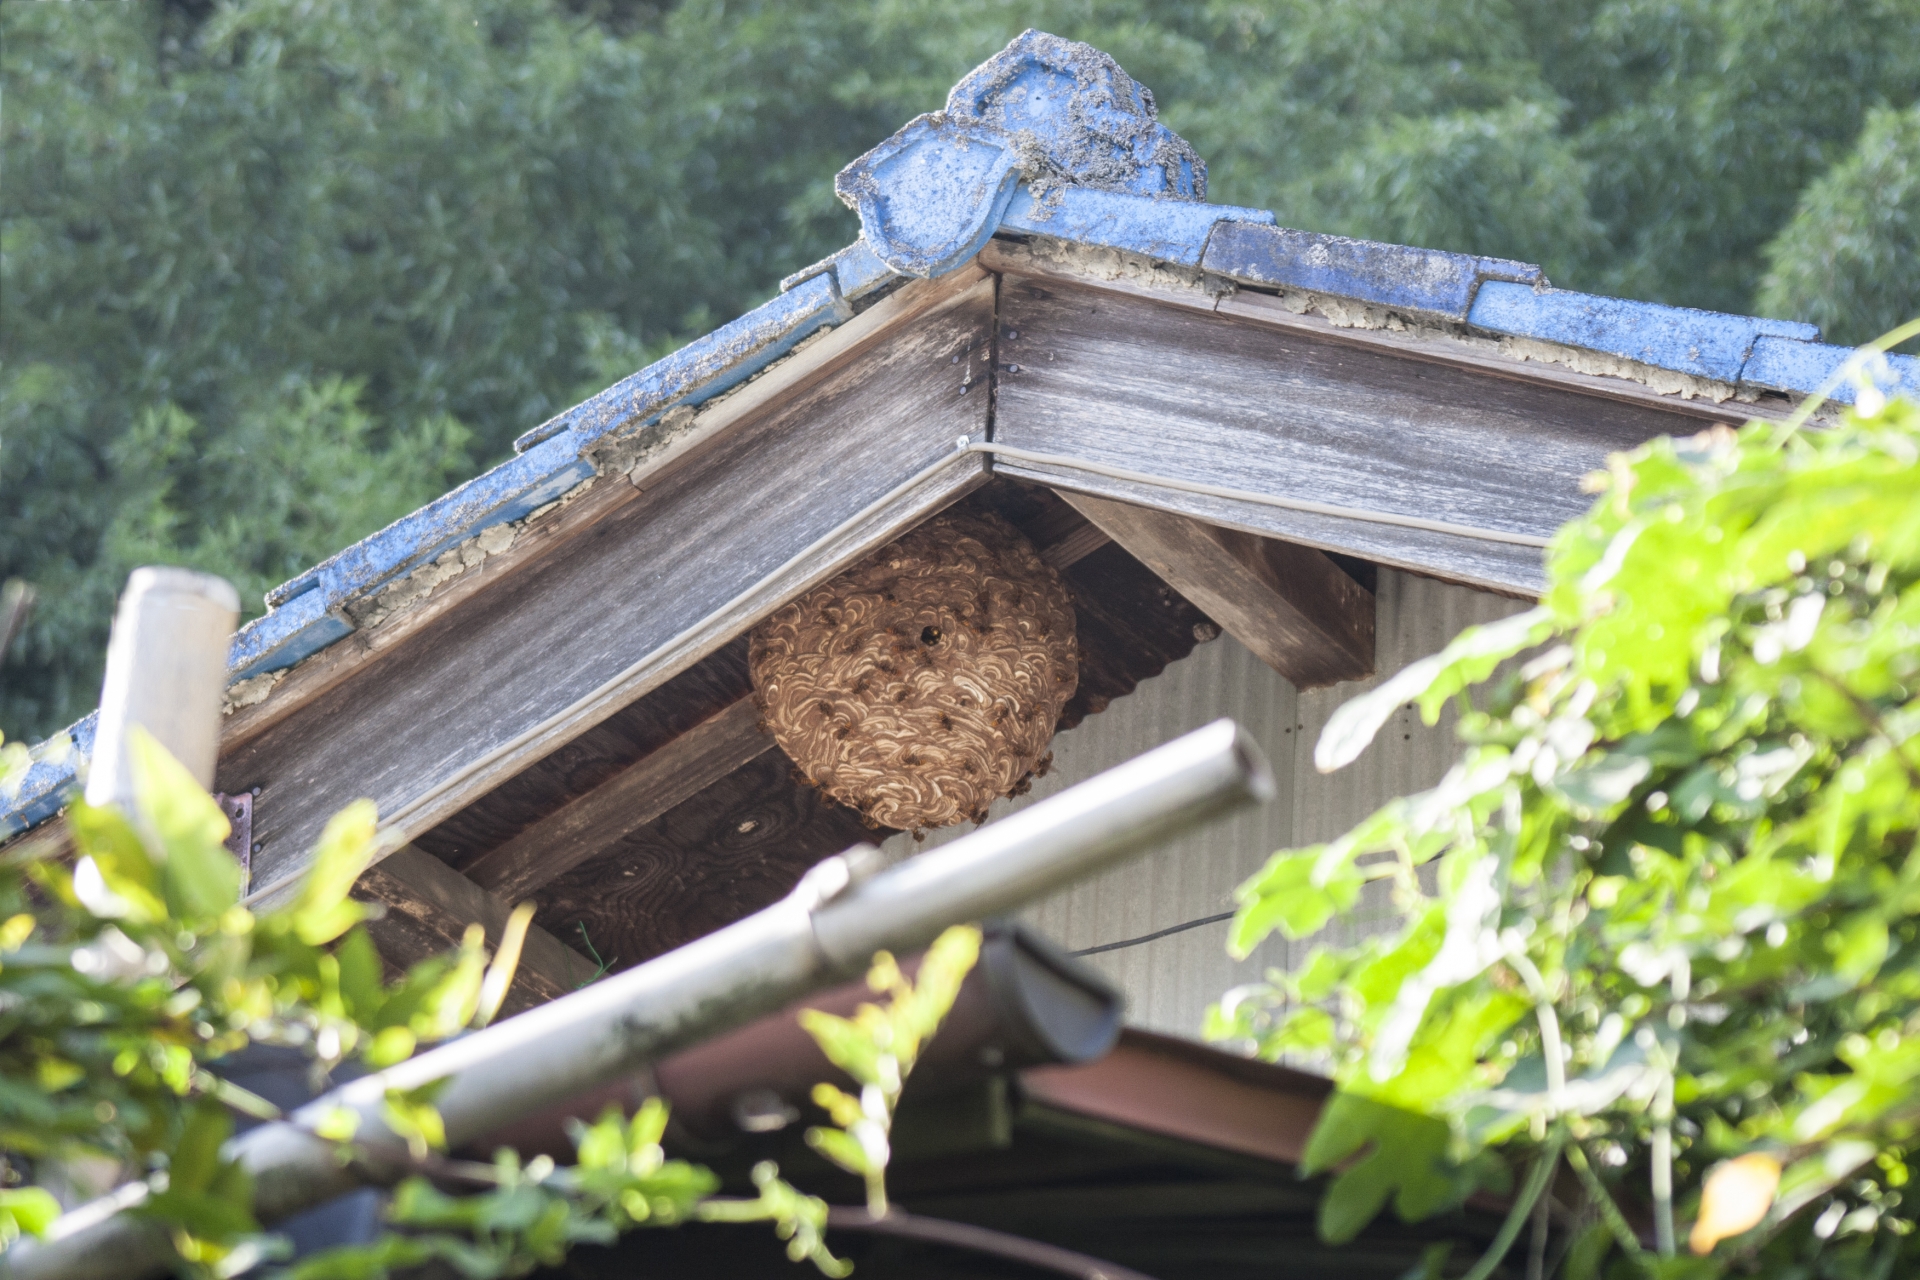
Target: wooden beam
(1294,608)
(1076,545)
(507,675)
(624,803)
(1149,386)
(429,906)
(738,846)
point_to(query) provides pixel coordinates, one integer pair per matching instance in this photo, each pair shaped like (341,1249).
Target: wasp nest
(924,684)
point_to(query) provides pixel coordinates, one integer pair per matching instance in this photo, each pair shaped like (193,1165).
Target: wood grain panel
(1291,605)
(723,854)
(1174,391)
(613,745)
(658,584)
(630,799)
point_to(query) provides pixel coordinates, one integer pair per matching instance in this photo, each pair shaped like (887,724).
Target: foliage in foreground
(1662,919)
(127,977)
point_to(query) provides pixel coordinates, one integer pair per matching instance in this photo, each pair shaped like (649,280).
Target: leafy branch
(1674,924)
(878,1047)
(128,976)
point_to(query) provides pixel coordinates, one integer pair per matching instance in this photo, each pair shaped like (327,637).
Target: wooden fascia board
(551,643)
(1196,291)
(602,496)
(1149,376)
(1295,609)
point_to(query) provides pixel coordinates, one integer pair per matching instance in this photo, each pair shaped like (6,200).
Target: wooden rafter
(1293,607)
(626,802)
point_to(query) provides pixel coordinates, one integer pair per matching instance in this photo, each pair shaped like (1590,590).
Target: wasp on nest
(925,683)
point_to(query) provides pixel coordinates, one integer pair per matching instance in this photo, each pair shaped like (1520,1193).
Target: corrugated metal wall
(1171,981)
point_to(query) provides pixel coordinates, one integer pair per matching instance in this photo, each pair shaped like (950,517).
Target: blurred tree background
(277,271)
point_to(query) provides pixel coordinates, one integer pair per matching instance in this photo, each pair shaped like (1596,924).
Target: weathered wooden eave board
(790,377)
(1194,290)
(647,589)
(1170,387)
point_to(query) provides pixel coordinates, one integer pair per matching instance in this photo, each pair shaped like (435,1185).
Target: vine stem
(1609,1211)
(1550,1044)
(1536,1184)
(1661,1154)
(1869,713)
(1537,1247)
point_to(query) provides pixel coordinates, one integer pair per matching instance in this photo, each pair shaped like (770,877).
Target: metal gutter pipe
(841,912)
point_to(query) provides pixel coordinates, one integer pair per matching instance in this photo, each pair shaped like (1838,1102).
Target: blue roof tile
(1781,364)
(1425,282)
(51,781)
(1174,231)
(1706,344)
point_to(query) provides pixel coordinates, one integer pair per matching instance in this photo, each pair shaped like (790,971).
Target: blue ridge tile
(1706,344)
(1781,364)
(1422,281)
(1165,230)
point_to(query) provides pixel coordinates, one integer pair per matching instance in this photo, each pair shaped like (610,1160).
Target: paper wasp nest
(925,683)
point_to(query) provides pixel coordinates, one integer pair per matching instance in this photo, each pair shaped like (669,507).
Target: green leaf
(418,1203)
(1296,893)
(25,1209)
(1603,783)
(108,841)
(55,1074)
(841,1148)
(1387,1153)
(196,1158)
(649,1125)
(323,911)
(1469,658)
(1588,1251)
(373,1261)
(200,877)
(204,1215)
(1861,948)
(847,1044)
(362,976)
(602,1145)
(388,1046)
(411,1114)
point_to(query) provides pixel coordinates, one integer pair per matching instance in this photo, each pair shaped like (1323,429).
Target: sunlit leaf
(1734,1198)
(113,854)
(1430,682)
(322,911)
(841,1148)
(200,877)
(27,1210)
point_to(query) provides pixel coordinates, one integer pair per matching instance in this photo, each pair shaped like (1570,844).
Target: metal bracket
(239,811)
